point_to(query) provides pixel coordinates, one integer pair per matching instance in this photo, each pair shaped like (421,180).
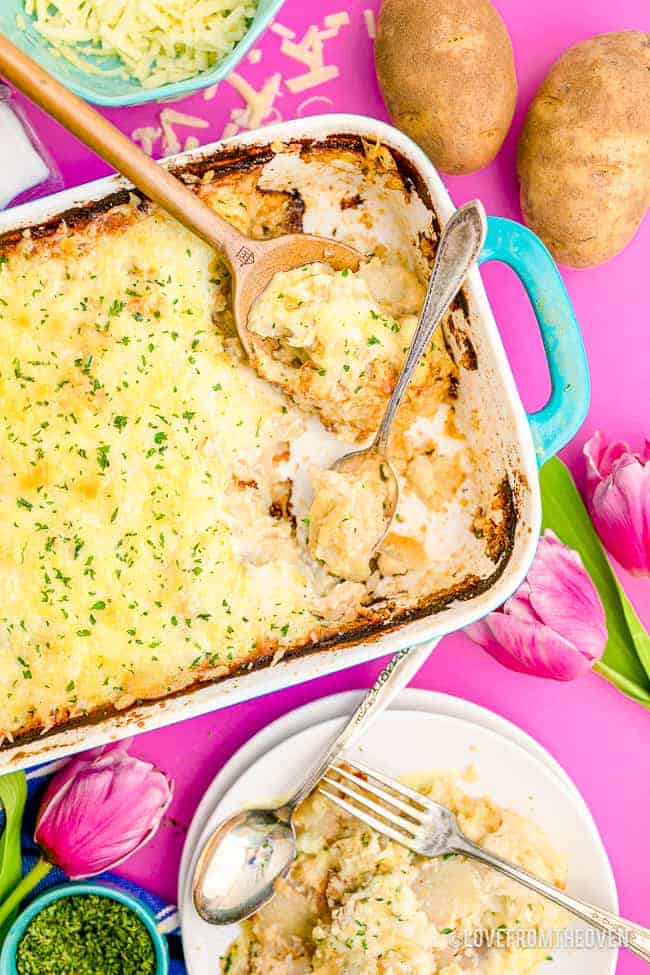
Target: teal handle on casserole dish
(559,420)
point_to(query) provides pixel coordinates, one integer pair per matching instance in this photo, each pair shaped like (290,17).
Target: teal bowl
(18,928)
(105,89)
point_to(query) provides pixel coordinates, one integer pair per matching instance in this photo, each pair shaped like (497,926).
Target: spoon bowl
(236,872)
(458,248)
(373,464)
(258,261)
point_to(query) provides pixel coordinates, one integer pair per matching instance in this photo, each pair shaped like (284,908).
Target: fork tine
(369,820)
(403,790)
(373,806)
(414,813)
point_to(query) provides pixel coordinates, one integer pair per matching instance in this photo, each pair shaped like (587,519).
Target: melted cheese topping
(146,534)
(358,903)
(127,431)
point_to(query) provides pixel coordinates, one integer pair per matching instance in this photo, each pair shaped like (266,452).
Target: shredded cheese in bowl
(156,41)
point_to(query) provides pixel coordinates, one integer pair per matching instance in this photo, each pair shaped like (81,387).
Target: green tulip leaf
(638,632)
(13,796)
(626,661)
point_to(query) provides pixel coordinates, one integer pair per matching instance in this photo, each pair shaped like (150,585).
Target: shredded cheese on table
(156,41)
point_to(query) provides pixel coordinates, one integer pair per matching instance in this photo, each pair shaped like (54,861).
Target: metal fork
(431,830)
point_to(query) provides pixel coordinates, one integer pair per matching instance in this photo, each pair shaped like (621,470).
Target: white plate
(508,772)
(340,705)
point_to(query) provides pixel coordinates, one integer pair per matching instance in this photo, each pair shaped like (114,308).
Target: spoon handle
(619,931)
(393,678)
(78,117)
(458,248)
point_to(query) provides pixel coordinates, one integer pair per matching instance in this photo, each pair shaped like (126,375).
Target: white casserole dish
(519,442)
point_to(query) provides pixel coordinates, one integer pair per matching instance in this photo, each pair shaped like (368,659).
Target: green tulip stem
(40,869)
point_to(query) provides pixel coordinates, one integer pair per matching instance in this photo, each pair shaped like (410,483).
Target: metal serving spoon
(252,262)
(458,248)
(240,862)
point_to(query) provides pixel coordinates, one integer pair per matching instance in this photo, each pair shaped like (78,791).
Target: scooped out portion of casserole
(335,341)
(346,520)
(356,902)
(156,493)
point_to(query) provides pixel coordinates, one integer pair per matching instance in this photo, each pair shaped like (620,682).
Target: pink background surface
(599,736)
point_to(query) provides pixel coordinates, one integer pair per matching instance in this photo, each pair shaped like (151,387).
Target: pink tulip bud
(101,808)
(618,497)
(554,625)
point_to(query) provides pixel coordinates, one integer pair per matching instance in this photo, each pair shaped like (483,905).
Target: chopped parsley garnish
(86,934)
(102,456)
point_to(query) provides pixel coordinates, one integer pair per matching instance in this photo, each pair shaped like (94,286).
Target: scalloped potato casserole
(154,531)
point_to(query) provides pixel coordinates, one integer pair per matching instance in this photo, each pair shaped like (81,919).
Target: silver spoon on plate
(237,868)
(458,248)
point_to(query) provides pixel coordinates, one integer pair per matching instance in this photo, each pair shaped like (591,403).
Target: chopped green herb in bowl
(84,929)
(86,935)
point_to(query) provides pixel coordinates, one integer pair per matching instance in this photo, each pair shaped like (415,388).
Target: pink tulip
(101,808)
(554,625)
(618,497)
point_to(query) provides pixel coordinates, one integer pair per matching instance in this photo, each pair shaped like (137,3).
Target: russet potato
(447,75)
(584,151)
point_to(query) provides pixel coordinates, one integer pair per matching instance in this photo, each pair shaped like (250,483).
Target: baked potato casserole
(355,902)
(154,531)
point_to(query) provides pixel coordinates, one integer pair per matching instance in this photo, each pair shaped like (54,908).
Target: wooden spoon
(252,262)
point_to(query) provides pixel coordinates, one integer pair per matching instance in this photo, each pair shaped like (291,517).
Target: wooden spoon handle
(108,142)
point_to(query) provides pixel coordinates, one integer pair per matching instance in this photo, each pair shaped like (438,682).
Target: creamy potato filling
(335,340)
(357,903)
(346,520)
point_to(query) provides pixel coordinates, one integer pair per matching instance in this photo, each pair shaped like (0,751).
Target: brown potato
(447,75)
(584,152)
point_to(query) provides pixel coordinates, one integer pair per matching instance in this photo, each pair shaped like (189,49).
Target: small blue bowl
(18,928)
(105,89)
